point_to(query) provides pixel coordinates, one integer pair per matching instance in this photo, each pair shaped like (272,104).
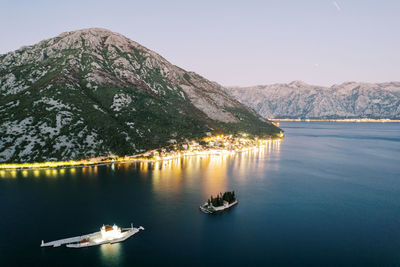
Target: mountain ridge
(93,92)
(301,100)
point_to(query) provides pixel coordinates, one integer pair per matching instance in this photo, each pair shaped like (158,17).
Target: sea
(328,194)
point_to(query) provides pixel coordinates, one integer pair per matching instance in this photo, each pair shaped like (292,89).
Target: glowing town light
(215,145)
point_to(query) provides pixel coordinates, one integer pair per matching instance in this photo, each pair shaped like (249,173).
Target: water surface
(328,194)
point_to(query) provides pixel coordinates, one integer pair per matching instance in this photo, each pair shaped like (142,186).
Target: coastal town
(209,145)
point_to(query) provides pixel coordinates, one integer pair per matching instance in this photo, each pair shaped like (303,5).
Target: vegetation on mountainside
(69,102)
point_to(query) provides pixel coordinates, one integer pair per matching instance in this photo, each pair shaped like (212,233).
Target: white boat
(107,235)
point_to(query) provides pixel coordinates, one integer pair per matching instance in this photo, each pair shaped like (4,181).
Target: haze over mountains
(300,100)
(93,92)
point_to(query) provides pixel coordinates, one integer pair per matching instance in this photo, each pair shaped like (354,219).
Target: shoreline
(134,158)
(334,120)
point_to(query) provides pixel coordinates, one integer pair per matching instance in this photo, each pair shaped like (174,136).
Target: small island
(219,203)
(107,235)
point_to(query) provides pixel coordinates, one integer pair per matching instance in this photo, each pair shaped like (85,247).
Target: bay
(328,194)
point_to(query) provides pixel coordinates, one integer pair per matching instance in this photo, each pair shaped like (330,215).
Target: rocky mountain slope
(93,92)
(300,100)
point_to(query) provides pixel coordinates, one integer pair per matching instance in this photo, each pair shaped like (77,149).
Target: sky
(239,43)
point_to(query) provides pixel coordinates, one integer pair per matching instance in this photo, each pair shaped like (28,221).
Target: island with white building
(107,235)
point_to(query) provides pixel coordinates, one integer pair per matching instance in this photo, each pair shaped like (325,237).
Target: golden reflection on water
(87,171)
(212,169)
(110,253)
(24,173)
(167,175)
(214,174)
(33,173)
(143,167)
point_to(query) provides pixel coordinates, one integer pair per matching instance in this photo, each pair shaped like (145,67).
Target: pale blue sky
(233,42)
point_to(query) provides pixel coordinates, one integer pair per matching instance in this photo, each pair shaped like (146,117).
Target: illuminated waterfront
(214,145)
(327,193)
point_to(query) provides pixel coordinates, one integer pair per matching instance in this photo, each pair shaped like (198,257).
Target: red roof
(108,228)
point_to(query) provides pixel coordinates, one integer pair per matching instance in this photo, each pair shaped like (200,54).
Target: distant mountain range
(300,100)
(93,92)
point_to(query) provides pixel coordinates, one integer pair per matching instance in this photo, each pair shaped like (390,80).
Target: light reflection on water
(301,202)
(167,173)
(214,173)
(110,254)
(89,171)
(173,176)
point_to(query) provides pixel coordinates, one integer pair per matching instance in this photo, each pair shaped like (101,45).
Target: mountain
(300,100)
(93,92)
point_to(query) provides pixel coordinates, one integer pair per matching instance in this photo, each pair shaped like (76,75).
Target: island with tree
(219,203)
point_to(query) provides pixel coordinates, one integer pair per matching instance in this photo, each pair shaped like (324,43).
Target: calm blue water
(329,194)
